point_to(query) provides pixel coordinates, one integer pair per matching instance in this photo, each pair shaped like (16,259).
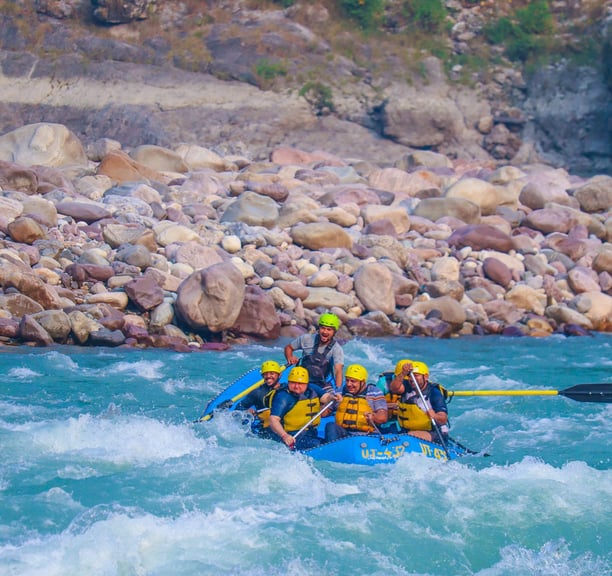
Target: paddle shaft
(240,395)
(503,393)
(433,421)
(299,432)
(601,392)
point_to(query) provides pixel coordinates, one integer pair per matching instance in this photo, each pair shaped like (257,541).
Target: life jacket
(264,413)
(412,414)
(318,365)
(351,411)
(302,412)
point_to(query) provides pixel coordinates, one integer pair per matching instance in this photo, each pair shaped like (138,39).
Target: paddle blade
(589,392)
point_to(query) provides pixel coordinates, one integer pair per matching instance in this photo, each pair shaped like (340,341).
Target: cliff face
(245,80)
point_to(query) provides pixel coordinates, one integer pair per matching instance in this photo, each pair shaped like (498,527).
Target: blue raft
(370,449)
(383,448)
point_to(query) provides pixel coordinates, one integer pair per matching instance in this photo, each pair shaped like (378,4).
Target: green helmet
(330,320)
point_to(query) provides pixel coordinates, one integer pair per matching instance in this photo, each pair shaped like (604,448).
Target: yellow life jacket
(383,383)
(410,415)
(351,413)
(301,413)
(264,413)
(392,404)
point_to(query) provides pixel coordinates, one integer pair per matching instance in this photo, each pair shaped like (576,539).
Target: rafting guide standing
(322,355)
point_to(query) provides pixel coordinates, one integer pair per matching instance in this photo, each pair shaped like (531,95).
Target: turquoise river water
(104,472)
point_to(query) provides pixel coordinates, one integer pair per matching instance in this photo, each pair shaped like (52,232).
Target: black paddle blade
(589,392)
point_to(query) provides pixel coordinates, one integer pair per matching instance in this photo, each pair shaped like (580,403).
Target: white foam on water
(146,369)
(131,542)
(63,361)
(23,373)
(554,558)
(10,409)
(122,440)
(373,356)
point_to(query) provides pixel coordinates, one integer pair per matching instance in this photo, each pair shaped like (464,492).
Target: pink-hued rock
(16,177)
(583,279)
(544,187)
(345,194)
(549,220)
(31,331)
(145,292)
(497,271)
(83,211)
(285,156)
(257,315)
(480,237)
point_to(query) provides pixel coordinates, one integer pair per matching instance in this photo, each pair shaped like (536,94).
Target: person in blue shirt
(258,401)
(298,406)
(414,416)
(322,355)
(361,409)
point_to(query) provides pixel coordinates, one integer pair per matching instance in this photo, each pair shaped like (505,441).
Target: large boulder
(42,143)
(374,287)
(211,298)
(448,308)
(595,195)
(258,315)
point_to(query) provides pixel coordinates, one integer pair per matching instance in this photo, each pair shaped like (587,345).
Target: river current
(104,472)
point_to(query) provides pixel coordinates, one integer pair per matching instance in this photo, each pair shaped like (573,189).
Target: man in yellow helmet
(297,406)
(322,354)
(258,401)
(414,415)
(362,406)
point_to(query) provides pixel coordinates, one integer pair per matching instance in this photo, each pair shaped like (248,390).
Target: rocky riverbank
(182,248)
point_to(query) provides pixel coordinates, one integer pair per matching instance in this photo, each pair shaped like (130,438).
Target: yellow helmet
(356,371)
(298,374)
(270,366)
(420,368)
(400,365)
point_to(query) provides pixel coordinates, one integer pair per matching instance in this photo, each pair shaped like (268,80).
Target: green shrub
(319,96)
(285,3)
(367,13)
(525,33)
(498,31)
(268,70)
(535,18)
(427,15)
(522,46)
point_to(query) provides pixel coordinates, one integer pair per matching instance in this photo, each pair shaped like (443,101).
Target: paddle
(581,392)
(299,432)
(433,421)
(231,401)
